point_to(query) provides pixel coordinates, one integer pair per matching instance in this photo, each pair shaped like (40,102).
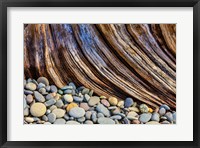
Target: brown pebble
(135,122)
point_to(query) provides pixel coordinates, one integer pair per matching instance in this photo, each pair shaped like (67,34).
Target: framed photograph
(99,73)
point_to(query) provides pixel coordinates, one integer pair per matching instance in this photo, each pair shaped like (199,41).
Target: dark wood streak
(112,59)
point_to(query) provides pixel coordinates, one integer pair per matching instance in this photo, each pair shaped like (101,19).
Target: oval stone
(72,122)
(77,112)
(38,109)
(93,100)
(59,112)
(43,80)
(30,86)
(145,117)
(39,97)
(128,102)
(104,120)
(113,101)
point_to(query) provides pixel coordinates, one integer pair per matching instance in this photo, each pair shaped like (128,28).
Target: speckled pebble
(30,86)
(144,108)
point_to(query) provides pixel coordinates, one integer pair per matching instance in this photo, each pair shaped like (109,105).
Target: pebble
(113,101)
(126,120)
(70,106)
(38,109)
(48,111)
(72,122)
(77,112)
(82,119)
(165,106)
(116,117)
(41,85)
(85,91)
(128,102)
(44,118)
(43,80)
(120,104)
(169,116)
(29,99)
(93,100)
(135,109)
(49,97)
(102,109)
(88,115)
(135,121)
(29,119)
(174,117)
(47,123)
(59,112)
(53,89)
(77,99)
(71,84)
(24,103)
(43,91)
(155,117)
(48,88)
(104,120)
(68,91)
(112,107)
(67,87)
(102,97)
(132,115)
(94,117)
(100,115)
(86,97)
(26,111)
(28,92)
(85,106)
(165,122)
(50,102)
(162,111)
(115,111)
(68,98)
(60,92)
(59,103)
(145,117)
(152,122)
(53,107)
(144,108)
(60,121)
(105,102)
(88,122)
(30,86)
(91,93)
(39,97)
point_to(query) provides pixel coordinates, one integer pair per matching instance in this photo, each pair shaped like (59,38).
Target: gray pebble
(29,99)
(26,111)
(155,117)
(116,111)
(49,97)
(102,109)
(93,100)
(86,97)
(50,102)
(43,80)
(145,117)
(53,89)
(48,88)
(60,121)
(40,85)
(165,106)
(67,87)
(88,122)
(126,121)
(112,107)
(24,103)
(128,102)
(47,123)
(77,99)
(68,91)
(169,116)
(100,115)
(88,115)
(30,86)
(104,120)
(60,92)
(77,112)
(91,93)
(174,117)
(73,85)
(59,103)
(66,117)
(82,119)
(51,117)
(162,111)
(94,117)
(72,122)
(71,118)
(116,117)
(85,91)
(43,91)
(165,122)
(44,118)
(39,97)
(28,92)
(48,111)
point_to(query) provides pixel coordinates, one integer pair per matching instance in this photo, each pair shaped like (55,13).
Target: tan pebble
(113,101)
(30,86)
(135,121)
(102,97)
(68,98)
(29,119)
(150,110)
(70,106)
(120,104)
(38,109)
(59,112)
(53,107)
(135,109)
(57,97)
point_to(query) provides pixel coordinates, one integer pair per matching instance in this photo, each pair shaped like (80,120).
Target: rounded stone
(85,91)
(135,121)
(49,97)
(41,85)
(29,99)
(165,106)
(135,109)
(120,104)
(30,86)
(38,109)
(145,117)
(60,121)
(29,119)
(144,108)
(93,100)
(86,97)
(70,106)
(39,97)
(162,111)
(43,91)
(155,117)
(100,115)
(59,112)
(94,117)
(104,120)
(128,102)
(113,101)
(77,112)
(53,89)
(88,122)
(59,103)
(82,119)
(169,116)
(88,115)
(77,99)
(132,115)
(105,102)
(116,117)
(152,122)
(50,102)
(102,109)
(72,85)
(68,98)
(72,122)
(85,106)
(174,117)
(43,80)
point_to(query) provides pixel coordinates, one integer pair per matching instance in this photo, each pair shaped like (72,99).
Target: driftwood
(118,60)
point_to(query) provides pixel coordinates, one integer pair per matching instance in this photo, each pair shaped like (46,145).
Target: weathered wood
(112,59)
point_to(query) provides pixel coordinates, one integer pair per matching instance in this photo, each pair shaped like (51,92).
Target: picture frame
(99,3)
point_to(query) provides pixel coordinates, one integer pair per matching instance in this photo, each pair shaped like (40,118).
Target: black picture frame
(4,4)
